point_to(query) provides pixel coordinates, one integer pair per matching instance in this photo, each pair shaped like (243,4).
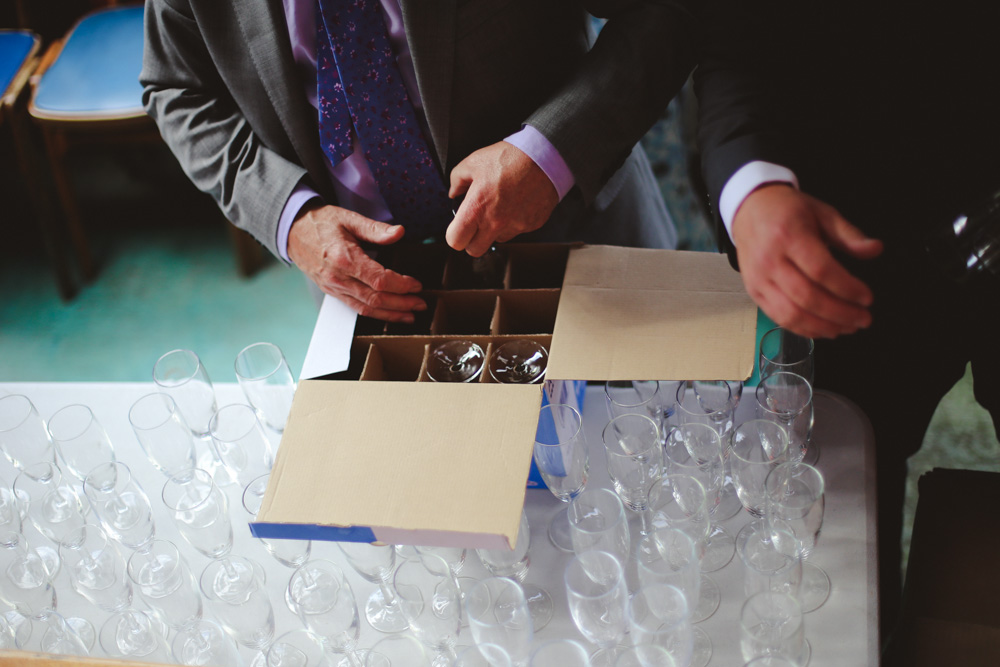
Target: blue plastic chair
(87,90)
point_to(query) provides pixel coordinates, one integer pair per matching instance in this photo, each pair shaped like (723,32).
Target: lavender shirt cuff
(534,144)
(301,195)
(748,178)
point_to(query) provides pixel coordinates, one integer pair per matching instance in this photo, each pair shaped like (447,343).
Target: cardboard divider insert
(395,359)
(467,313)
(526,312)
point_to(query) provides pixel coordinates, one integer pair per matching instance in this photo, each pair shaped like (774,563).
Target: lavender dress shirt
(351,178)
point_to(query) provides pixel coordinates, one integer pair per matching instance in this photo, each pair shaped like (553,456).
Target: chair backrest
(93,75)
(17,47)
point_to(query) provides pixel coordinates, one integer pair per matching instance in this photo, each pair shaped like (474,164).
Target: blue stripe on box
(305,531)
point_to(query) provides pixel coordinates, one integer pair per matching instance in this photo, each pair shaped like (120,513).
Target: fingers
(373,231)
(381,307)
(464,227)
(812,257)
(805,304)
(845,236)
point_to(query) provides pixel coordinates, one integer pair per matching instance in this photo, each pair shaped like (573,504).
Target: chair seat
(15,47)
(96,75)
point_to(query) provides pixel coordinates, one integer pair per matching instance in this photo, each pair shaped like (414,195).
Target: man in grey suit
(231,84)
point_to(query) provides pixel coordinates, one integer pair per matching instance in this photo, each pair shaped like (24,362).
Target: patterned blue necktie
(359,86)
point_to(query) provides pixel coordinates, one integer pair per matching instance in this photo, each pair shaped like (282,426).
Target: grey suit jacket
(220,82)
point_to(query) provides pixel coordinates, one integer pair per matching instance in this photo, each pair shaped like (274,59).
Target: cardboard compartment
(526,312)
(463,271)
(422,321)
(536,266)
(467,313)
(423,261)
(497,341)
(430,343)
(394,359)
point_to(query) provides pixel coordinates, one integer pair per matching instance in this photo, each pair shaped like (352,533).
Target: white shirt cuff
(748,178)
(301,195)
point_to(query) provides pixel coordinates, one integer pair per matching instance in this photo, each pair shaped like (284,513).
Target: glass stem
(646,521)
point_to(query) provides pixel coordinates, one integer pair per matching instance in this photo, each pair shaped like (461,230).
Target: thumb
(373,231)
(843,235)
(461,178)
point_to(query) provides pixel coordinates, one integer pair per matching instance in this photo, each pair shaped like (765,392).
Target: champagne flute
(266,382)
(561,456)
(376,564)
(634,457)
(23,436)
(787,398)
(80,440)
(498,614)
(598,597)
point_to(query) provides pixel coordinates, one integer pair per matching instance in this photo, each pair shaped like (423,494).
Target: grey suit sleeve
(205,128)
(641,59)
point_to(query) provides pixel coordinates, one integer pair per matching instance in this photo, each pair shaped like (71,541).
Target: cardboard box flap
(640,314)
(415,462)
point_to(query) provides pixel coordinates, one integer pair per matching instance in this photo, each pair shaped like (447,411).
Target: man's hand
(783,239)
(506,194)
(324,243)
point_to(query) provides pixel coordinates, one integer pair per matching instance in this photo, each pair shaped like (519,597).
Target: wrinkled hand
(783,239)
(324,244)
(506,194)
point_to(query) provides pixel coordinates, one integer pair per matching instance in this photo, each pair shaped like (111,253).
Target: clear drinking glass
(598,597)
(165,584)
(132,635)
(659,615)
(784,351)
(241,443)
(653,398)
(769,564)
(324,602)
(771,624)
(645,655)
(266,382)
(120,503)
(234,589)
(514,563)
(431,600)
(376,563)
(181,374)
(787,399)
(201,512)
(561,457)
(519,362)
(498,614)
(67,636)
(290,553)
(396,650)
(562,652)
(634,455)
(25,582)
(80,440)
(50,503)
(794,503)
(758,446)
(297,648)
(15,631)
(708,402)
(456,361)
(162,433)
(205,643)
(23,436)
(670,556)
(695,449)
(597,522)
(97,569)
(482,655)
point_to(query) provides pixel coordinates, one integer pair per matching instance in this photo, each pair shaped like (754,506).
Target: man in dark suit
(836,137)
(232,86)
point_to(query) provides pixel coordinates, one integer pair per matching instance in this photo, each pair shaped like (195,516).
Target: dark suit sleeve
(741,83)
(641,59)
(205,126)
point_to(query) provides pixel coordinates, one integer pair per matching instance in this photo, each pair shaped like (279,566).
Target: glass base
(539,605)
(21,626)
(359,657)
(382,617)
(559,531)
(815,588)
(606,657)
(719,550)
(709,599)
(84,629)
(701,655)
(50,559)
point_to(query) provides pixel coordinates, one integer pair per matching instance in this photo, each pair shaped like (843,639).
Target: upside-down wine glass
(456,361)
(521,361)
(561,457)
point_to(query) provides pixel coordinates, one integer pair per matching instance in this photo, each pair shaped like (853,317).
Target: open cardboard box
(389,456)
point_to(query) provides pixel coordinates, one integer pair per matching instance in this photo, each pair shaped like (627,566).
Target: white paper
(330,347)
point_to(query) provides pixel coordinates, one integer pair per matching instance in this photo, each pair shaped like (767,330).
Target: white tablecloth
(842,632)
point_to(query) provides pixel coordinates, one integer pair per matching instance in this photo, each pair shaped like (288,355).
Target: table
(842,632)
